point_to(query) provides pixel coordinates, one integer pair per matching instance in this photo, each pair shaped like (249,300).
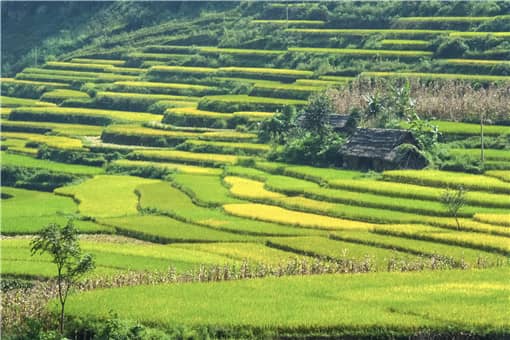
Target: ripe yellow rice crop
(249,189)
(501,174)
(275,214)
(498,219)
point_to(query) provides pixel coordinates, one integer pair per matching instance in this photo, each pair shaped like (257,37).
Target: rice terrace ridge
(255,170)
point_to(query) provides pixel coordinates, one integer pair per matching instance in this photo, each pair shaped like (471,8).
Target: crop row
(202,159)
(362,52)
(59,95)
(164,198)
(444,179)
(8,102)
(419,247)
(58,142)
(474,240)
(234,103)
(23,212)
(195,145)
(164,88)
(193,117)
(79,115)
(58,128)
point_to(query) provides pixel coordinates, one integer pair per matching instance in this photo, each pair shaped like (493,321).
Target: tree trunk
(61,323)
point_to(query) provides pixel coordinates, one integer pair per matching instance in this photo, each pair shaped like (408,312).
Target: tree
(316,114)
(62,244)
(453,200)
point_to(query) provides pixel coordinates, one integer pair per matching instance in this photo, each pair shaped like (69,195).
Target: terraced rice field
(183,181)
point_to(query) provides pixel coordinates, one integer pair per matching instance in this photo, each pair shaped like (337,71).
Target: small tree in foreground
(62,244)
(453,200)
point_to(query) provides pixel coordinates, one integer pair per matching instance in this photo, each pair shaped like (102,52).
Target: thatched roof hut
(382,149)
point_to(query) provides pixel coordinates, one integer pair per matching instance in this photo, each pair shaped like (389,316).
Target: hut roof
(376,143)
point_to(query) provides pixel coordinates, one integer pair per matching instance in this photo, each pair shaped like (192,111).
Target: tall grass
(441,99)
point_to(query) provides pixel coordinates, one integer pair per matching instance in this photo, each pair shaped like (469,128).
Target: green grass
(444,179)
(168,230)
(205,190)
(16,102)
(182,70)
(153,98)
(436,76)
(419,247)
(169,200)
(106,196)
(377,304)
(10,159)
(362,52)
(24,213)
